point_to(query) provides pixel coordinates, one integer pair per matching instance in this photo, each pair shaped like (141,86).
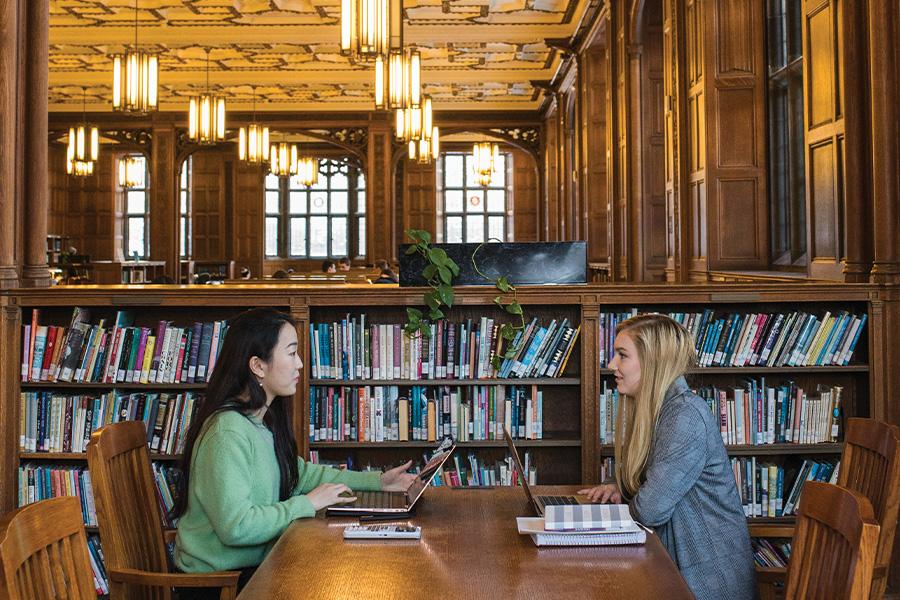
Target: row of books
(51,422)
(757,414)
(42,481)
(122,353)
(792,339)
(761,485)
(475,472)
(380,413)
(771,553)
(353,349)
(98,568)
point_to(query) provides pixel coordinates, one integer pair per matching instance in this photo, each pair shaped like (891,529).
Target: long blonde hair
(665,351)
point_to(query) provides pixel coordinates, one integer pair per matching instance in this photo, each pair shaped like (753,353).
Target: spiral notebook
(534,526)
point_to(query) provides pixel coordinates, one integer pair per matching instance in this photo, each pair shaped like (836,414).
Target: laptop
(538,502)
(395,503)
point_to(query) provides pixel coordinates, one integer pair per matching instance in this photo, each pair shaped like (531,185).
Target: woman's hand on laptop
(330,493)
(603,493)
(397,479)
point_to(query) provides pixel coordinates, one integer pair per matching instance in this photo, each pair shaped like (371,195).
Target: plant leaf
(514,308)
(454,268)
(432,299)
(429,271)
(445,275)
(412,249)
(502,284)
(447,295)
(435,314)
(413,314)
(496,362)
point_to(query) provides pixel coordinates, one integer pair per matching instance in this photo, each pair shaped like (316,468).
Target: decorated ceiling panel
(476,54)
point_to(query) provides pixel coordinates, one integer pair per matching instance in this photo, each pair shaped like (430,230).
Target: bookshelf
(571,450)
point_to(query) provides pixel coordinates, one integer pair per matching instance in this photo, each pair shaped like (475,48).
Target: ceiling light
(83,146)
(370,28)
(253,140)
(206,116)
(135,78)
(487,157)
(131,172)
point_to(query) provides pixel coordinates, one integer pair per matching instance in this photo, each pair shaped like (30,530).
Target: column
(8,55)
(37,194)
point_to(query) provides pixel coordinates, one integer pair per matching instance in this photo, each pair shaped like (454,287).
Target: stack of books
(583,525)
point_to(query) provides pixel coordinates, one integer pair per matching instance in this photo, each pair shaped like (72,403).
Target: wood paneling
(524,202)
(419,196)
(208,199)
(551,168)
(595,191)
(824,135)
(164,215)
(246,218)
(696,139)
(735,86)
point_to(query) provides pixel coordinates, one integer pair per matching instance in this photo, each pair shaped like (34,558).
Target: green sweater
(233,515)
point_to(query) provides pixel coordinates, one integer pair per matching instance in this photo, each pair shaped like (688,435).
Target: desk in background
(469,549)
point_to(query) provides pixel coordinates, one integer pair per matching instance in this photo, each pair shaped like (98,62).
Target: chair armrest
(777,531)
(771,574)
(169,535)
(226,579)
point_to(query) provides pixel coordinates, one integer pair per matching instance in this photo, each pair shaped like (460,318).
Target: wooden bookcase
(570,451)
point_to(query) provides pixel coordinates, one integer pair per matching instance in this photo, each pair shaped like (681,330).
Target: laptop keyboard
(556,500)
(379,500)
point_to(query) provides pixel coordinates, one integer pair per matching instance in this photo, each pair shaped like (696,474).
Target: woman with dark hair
(242,483)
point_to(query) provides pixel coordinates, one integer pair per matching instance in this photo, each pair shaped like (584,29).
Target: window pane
(454,230)
(141,172)
(271,202)
(298,202)
(135,236)
(318,203)
(184,202)
(298,237)
(322,183)
(453,170)
(495,200)
(361,202)
(495,228)
(498,178)
(338,203)
(453,201)
(271,181)
(360,181)
(471,176)
(318,236)
(137,201)
(339,236)
(184,172)
(294,183)
(271,236)
(475,201)
(339,181)
(475,228)
(183,236)
(361,236)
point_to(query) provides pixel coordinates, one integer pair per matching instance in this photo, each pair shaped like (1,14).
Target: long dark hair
(253,333)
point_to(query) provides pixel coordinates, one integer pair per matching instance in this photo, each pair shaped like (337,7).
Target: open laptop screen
(521,469)
(425,476)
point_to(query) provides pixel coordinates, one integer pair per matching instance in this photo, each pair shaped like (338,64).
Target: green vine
(439,272)
(508,301)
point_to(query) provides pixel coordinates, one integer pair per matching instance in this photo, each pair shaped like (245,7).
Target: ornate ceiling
(477,54)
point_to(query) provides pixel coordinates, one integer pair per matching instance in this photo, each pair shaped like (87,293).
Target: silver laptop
(368,503)
(537,502)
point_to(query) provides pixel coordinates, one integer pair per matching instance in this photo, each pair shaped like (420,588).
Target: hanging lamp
(370,28)
(206,115)
(487,157)
(253,140)
(135,78)
(83,146)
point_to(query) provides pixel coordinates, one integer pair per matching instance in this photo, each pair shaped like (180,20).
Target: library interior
(479,276)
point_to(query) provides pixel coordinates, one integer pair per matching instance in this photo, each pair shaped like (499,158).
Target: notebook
(537,502)
(395,503)
(587,517)
(535,527)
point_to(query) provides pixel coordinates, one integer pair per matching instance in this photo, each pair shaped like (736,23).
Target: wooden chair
(130,523)
(834,545)
(870,465)
(44,552)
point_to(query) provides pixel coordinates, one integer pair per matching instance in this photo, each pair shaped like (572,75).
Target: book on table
(536,528)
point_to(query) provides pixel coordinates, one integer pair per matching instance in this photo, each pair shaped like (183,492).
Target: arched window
(136,230)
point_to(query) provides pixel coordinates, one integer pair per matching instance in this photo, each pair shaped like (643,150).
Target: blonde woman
(671,465)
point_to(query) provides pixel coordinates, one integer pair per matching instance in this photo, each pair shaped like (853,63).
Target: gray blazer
(691,500)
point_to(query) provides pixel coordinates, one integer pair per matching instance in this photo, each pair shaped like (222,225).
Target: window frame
(185,221)
(127,215)
(444,215)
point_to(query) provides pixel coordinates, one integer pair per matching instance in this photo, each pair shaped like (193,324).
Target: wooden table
(470,548)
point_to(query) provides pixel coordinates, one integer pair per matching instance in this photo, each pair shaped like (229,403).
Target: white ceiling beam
(325,106)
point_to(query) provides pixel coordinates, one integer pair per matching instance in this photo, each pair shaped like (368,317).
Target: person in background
(245,273)
(343,264)
(671,464)
(382,264)
(280,274)
(387,276)
(328,266)
(242,483)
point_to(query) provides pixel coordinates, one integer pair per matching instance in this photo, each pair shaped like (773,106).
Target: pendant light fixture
(398,81)
(206,116)
(131,172)
(487,157)
(83,146)
(253,140)
(135,78)
(370,28)
(308,170)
